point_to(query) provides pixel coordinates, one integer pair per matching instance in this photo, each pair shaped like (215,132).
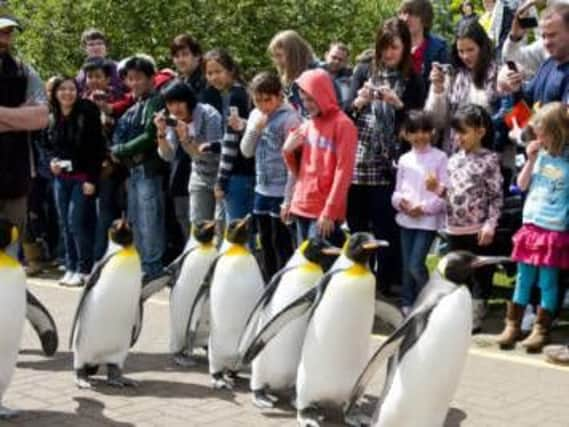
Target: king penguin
(425,356)
(234,283)
(276,366)
(13,297)
(189,271)
(107,312)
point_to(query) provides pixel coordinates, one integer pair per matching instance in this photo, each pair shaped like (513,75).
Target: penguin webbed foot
(6,413)
(219,382)
(310,416)
(184,360)
(357,419)
(116,379)
(82,378)
(262,399)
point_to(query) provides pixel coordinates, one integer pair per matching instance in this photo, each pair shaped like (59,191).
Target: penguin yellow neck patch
(6,261)
(127,251)
(357,270)
(311,267)
(237,250)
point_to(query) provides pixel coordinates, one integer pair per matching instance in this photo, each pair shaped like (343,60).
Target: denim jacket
(271,171)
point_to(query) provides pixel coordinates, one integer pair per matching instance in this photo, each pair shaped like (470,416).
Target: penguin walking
(275,367)
(13,296)
(189,271)
(107,312)
(336,344)
(231,289)
(425,356)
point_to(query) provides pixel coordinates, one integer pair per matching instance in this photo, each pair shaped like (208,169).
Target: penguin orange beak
(372,245)
(209,225)
(332,251)
(483,261)
(245,221)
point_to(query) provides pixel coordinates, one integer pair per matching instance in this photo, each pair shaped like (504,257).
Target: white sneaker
(75,280)
(66,278)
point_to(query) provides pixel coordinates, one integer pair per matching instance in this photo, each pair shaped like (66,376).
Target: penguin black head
(458,266)
(203,231)
(318,250)
(120,233)
(238,231)
(361,246)
(8,233)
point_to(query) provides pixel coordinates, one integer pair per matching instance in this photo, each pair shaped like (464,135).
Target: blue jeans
(547,279)
(107,212)
(146,216)
(239,197)
(307,228)
(415,246)
(76,213)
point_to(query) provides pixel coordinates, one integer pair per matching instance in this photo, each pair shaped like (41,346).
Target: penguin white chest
(13,296)
(337,340)
(106,321)
(194,270)
(235,288)
(426,378)
(277,365)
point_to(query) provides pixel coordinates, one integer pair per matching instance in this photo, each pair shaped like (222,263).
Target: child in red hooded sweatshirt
(320,154)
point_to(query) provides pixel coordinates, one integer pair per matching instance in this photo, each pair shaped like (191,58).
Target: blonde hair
(553,120)
(297,51)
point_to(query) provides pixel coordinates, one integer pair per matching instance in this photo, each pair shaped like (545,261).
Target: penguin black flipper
(200,304)
(262,302)
(43,323)
(137,327)
(198,311)
(401,340)
(175,266)
(91,282)
(308,301)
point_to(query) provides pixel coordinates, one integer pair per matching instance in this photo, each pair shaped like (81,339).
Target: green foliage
(244,27)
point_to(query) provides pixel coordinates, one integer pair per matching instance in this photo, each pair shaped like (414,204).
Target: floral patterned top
(474,193)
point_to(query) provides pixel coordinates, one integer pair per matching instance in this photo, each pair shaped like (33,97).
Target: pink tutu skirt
(544,248)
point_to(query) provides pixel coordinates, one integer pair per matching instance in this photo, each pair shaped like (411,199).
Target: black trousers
(370,209)
(276,244)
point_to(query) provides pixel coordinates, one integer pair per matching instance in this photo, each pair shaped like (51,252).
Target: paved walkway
(497,389)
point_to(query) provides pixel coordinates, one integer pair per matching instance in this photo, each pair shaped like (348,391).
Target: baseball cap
(7,19)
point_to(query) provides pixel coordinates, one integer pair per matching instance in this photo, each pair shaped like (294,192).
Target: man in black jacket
(23,108)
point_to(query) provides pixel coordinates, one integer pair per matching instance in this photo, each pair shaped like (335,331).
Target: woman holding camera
(185,128)
(76,150)
(472,82)
(387,89)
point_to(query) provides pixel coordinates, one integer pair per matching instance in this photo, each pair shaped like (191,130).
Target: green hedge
(53,27)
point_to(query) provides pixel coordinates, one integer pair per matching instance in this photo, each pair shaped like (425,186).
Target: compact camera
(171,121)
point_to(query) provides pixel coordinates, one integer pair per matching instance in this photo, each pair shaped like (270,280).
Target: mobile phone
(234,111)
(512,65)
(529,22)
(171,121)
(100,96)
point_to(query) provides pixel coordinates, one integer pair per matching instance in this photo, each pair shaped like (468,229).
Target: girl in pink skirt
(541,246)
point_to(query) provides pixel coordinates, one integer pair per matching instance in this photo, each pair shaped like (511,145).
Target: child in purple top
(474,197)
(421,173)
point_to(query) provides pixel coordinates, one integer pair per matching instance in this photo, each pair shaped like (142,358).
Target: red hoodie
(328,154)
